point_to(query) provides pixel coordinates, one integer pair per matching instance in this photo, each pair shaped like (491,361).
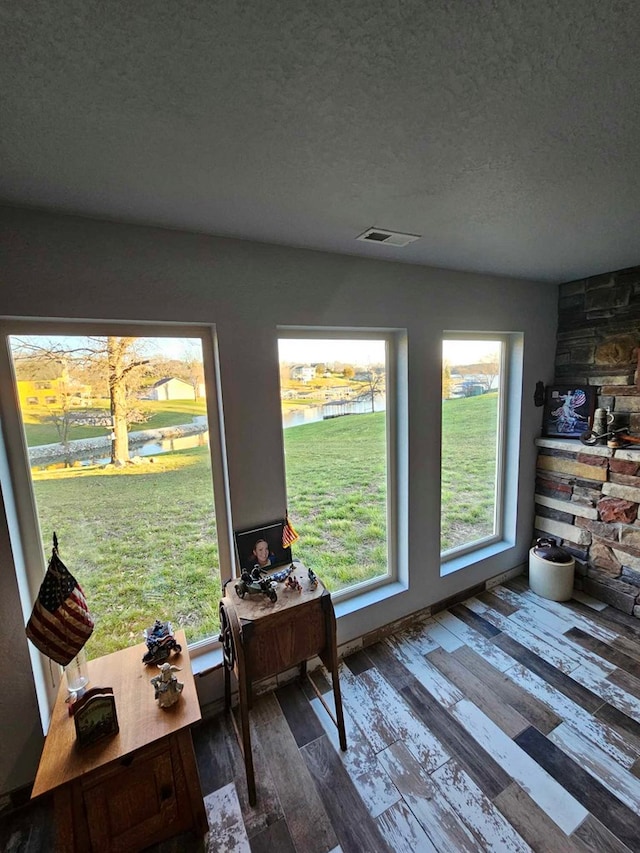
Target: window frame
(454,558)
(395,422)
(15,479)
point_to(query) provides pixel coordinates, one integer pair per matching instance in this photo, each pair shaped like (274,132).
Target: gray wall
(56,266)
(21,728)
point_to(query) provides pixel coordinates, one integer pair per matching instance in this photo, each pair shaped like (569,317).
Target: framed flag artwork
(568,410)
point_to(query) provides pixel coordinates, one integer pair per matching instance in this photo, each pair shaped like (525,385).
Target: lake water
(146,449)
(307,415)
(310,414)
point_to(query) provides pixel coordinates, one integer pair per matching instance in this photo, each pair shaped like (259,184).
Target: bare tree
(373,384)
(488,369)
(113,355)
(192,360)
(120,363)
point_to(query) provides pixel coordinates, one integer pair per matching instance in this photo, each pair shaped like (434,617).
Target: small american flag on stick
(60,623)
(289,535)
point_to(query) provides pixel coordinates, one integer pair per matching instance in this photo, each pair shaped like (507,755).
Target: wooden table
(134,788)
(261,638)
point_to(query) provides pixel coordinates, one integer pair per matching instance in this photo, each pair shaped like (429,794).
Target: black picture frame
(246,540)
(568,410)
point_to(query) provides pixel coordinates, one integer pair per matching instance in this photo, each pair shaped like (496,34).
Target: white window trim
(16,481)
(462,556)
(397,457)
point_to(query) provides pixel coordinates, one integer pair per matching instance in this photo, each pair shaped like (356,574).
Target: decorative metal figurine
(602,420)
(160,642)
(283,574)
(608,433)
(167,686)
(313,580)
(293,584)
(256,582)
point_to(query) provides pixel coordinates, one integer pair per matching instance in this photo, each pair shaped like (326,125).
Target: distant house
(57,392)
(171,388)
(303,373)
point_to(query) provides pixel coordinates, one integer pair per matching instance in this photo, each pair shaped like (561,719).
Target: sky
(372,352)
(310,351)
(173,348)
(468,352)
(304,351)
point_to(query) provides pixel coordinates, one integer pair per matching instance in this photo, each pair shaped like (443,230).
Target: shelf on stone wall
(588,499)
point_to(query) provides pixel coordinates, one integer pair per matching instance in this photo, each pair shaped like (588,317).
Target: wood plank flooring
(505,723)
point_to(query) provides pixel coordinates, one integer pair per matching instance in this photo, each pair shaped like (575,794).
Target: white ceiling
(506,133)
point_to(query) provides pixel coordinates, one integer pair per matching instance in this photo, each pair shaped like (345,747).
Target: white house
(303,373)
(171,388)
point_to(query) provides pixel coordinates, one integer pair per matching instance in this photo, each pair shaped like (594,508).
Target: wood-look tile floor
(505,723)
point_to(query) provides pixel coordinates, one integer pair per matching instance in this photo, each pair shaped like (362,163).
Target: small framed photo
(262,547)
(568,410)
(95,716)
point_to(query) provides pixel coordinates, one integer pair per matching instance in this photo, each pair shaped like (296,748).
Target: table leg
(199,820)
(329,657)
(227,688)
(339,715)
(244,701)
(246,735)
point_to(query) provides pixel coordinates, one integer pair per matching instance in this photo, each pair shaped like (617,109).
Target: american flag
(579,399)
(289,535)
(60,623)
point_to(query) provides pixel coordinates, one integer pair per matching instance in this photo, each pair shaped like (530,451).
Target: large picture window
(115,429)
(335,397)
(473,406)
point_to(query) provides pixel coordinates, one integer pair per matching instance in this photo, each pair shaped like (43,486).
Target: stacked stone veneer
(589,497)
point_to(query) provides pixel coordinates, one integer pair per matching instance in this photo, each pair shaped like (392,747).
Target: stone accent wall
(598,340)
(588,498)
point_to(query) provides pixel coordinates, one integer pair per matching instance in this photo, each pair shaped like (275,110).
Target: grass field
(142,540)
(468,469)
(336,486)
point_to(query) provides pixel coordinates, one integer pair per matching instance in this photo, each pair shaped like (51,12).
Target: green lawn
(337,496)
(142,541)
(468,469)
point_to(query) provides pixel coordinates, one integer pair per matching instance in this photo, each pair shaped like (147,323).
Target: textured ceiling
(507,134)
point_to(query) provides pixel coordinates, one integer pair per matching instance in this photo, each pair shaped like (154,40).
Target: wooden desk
(261,638)
(137,787)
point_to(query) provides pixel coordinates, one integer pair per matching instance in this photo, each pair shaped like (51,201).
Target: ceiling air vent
(389,238)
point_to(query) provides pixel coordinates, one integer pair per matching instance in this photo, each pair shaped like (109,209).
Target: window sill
(366,599)
(205,660)
(470,558)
